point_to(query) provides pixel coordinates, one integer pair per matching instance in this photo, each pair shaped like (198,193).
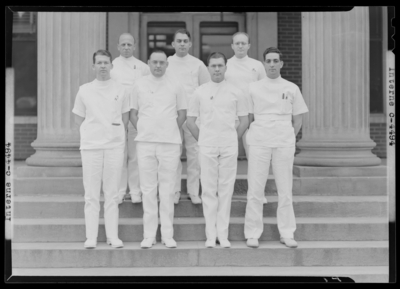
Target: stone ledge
(308,171)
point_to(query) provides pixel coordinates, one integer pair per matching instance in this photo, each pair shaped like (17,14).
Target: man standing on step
(276,107)
(217,103)
(190,72)
(126,70)
(242,70)
(158,110)
(102,113)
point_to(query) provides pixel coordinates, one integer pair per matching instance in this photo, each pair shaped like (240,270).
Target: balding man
(243,70)
(127,69)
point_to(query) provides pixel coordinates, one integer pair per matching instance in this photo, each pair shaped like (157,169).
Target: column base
(55,155)
(336,154)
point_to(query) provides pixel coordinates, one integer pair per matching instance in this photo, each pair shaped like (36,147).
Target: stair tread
(200,245)
(201,220)
(273,198)
(207,271)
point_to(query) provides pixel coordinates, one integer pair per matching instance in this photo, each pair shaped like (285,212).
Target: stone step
(317,186)
(193,229)
(359,274)
(304,206)
(194,254)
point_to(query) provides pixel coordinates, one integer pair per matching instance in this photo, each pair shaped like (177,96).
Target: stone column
(335,69)
(66,43)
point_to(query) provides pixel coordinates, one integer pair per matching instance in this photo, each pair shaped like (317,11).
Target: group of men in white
(134,120)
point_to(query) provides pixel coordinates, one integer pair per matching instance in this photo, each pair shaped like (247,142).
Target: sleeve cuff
(79,113)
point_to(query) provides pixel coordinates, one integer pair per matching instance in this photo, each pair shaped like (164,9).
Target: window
(216,37)
(24,62)
(376,59)
(160,36)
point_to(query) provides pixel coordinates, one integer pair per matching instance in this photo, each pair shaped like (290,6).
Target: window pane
(24,62)
(161,35)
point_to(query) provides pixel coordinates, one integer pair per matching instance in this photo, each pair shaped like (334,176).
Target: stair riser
(200,257)
(196,232)
(186,209)
(351,186)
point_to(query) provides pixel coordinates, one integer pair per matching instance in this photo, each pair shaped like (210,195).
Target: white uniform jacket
(102,104)
(273,102)
(158,100)
(218,105)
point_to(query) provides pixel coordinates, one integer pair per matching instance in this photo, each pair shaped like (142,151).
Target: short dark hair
(101,52)
(272,50)
(216,55)
(244,33)
(158,51)
(182,31)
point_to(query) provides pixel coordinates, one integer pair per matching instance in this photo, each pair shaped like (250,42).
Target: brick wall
(289,43)
(378,134)
(24,135)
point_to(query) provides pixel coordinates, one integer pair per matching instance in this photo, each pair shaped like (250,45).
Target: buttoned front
(102,104)
(158,100)
(273,102)
(218,104)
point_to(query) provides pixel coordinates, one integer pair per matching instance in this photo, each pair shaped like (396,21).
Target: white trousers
(130,170)
(218,175)
(158,163)
(192,161)
(282,164)
(101,166)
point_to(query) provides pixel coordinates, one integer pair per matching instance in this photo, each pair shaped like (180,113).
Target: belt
(271,116)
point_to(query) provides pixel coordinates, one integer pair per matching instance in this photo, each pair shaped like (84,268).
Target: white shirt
(218,104)
(158,99)
(242,71)
(127,70)
(273,102)
(189,71)
(102,104)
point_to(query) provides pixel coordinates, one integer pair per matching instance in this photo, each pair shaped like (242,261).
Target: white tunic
(127,70)
(189,71)
(242,71)
(273,102)
(218,105)
(102,104)
(158,100)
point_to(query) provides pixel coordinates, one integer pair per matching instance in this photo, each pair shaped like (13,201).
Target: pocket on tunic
(286,103)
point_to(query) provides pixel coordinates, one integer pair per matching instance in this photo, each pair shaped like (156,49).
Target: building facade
(336,58)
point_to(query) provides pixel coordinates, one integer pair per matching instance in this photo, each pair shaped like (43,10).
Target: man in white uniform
(158,110)
(276,108)
(190,72)
(217,103)
(102,113)
(242,70)
(126,70)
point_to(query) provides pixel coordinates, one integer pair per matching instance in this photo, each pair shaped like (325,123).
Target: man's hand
(244,124)
(297,121)
(191,125)
(181,117)
(133,117)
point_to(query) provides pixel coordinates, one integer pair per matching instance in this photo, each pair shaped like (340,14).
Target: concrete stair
(341,215)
